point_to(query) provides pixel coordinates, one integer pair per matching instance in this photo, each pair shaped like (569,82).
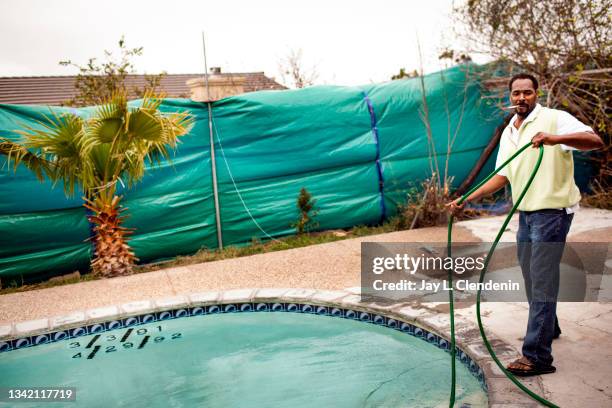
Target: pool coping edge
(500,391)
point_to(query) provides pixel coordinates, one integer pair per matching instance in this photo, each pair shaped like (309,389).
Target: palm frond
(151,101)
(105,130)
(179,123)
(109,121)
(157,152)
(60,141)
(175,126)
(60,136)
(146,125)
(103,163)
(18,154)
(113,108)
(133,167)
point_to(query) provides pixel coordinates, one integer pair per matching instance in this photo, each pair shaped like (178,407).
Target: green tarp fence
(358,150)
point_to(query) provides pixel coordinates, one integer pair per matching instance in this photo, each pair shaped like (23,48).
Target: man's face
(524,95)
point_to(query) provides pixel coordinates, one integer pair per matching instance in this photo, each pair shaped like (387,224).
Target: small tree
(429,209)
(98,82)
(294,73)
(403,74)
(305,205)
(454,56)
(94,155)
(567,44)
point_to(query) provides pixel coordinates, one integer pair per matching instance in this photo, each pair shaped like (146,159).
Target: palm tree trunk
(113,256)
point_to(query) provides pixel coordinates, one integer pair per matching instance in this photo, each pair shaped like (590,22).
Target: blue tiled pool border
(291,307)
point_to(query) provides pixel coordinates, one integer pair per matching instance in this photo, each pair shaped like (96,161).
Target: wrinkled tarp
(358,150)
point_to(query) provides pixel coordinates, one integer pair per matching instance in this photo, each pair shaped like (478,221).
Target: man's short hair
(523,75)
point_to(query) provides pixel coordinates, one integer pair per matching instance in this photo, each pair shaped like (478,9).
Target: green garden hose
(481,280)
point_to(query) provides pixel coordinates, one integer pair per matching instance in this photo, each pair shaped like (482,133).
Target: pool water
(244,360)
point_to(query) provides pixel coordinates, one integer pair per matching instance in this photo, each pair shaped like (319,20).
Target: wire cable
(229,171)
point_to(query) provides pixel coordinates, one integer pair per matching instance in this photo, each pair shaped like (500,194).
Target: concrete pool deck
(583,353)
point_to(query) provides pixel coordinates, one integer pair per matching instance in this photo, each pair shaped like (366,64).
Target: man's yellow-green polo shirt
(554,185)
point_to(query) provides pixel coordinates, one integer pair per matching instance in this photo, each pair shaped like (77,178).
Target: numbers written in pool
(130,339)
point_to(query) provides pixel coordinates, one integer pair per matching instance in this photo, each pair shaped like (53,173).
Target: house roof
(56,90)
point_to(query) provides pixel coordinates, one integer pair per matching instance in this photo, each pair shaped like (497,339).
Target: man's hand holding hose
(496,183)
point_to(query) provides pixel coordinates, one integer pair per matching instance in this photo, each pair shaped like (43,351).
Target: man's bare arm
(496,183)
(578,140)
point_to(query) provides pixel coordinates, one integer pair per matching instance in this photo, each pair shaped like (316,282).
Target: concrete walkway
(583,354)
(331,266)
(587,223)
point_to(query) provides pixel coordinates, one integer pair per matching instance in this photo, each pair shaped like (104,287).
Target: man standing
(546,212)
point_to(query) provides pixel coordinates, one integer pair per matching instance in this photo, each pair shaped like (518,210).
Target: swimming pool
(219,358)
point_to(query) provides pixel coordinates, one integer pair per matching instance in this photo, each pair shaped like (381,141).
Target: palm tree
(94,155)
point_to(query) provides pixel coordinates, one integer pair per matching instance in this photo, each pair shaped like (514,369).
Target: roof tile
(57,90)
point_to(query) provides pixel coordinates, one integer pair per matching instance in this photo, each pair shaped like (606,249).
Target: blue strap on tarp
(381,179)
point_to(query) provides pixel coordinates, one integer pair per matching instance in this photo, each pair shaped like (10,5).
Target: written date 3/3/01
(131,338)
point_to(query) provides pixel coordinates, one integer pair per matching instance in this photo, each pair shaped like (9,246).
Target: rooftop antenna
(212,149)
(205,69)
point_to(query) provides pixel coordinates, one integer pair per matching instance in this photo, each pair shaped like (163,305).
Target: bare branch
(293,72)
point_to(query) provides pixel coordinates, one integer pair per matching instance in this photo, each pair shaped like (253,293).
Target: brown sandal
(523,367)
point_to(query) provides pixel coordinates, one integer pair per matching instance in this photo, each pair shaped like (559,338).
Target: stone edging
(501,392)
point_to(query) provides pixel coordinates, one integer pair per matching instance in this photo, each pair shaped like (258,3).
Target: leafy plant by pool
(95,154)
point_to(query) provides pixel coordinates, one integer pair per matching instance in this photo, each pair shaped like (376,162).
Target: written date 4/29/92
(130,339)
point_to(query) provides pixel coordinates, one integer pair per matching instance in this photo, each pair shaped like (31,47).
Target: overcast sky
(350,42)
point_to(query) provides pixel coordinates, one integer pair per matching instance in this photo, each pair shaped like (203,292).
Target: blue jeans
(540,243)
